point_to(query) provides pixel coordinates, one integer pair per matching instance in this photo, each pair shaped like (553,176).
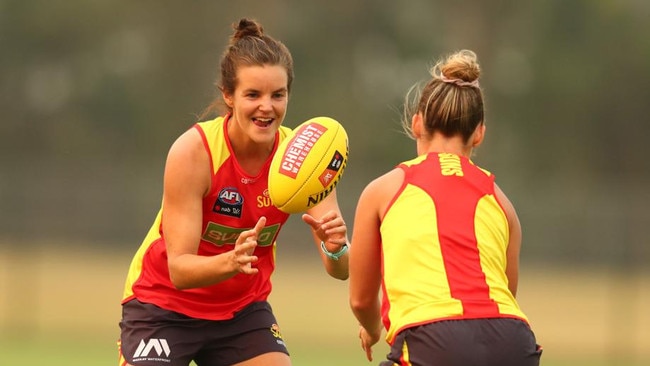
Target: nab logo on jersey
(229,202)
(158,345)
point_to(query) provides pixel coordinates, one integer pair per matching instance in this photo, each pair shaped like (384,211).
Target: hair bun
(461,66)
(246,28)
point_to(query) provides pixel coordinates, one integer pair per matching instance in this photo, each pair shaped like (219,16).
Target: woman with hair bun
(197,288)
(440,241)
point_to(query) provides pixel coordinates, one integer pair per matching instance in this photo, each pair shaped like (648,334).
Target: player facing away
(440,240)
(197,287)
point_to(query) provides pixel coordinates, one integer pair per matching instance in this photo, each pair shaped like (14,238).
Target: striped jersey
(444,240)
(234,203)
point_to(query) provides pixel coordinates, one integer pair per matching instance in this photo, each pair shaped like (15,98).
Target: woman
(197,288)
(442,240)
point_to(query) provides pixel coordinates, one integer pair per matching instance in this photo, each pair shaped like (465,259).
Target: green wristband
(333,256)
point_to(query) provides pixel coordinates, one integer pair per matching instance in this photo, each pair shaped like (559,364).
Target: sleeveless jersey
(444,240)
(234,203)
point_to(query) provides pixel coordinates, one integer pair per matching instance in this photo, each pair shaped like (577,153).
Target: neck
(440,143)
(250,155)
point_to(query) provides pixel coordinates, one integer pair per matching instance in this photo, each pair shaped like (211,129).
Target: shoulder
(391,179)
(186,167)
(187,152)
(211,127)
(383,188)
(506,204)
(188,142)
(414,161)
(479,168)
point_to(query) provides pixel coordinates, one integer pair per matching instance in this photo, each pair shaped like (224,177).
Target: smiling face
(258,104)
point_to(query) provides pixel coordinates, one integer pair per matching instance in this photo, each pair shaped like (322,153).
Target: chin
(265,136)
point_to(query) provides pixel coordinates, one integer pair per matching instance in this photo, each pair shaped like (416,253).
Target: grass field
(61,308)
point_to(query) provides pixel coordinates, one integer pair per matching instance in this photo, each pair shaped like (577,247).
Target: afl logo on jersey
(229,202)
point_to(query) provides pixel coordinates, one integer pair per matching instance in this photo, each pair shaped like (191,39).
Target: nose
(266,104)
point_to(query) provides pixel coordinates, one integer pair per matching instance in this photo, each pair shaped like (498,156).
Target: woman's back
(444,240)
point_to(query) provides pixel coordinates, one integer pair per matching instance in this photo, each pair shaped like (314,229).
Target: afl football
(308,164)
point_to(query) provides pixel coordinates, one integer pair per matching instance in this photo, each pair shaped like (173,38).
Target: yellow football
(308,164)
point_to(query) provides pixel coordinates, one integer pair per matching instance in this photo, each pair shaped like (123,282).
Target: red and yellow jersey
(444,240)
(235,202)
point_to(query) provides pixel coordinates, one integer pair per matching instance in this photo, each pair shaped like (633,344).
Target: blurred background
(93,93)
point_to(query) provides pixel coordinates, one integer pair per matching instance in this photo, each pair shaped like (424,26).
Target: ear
(417,125)
(478,135)
(227,98)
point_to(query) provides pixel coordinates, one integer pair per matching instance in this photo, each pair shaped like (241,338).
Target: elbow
(339,274)
(359,305)
(355,306)
(178,283)
(342,277)
(176,277)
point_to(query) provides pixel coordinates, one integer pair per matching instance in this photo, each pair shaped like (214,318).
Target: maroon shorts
(151,336)
(486,342)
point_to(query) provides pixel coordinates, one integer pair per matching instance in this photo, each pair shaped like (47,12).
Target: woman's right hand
(368,340)
(242,257)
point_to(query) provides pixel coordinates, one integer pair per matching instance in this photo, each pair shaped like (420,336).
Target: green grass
(68,312)
(56,352)
(71,350)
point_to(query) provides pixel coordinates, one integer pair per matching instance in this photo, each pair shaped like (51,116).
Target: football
(308,164)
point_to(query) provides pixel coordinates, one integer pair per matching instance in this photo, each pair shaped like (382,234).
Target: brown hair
(248,46)
(451,102)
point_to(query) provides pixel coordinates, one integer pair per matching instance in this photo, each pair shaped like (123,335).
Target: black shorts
(486,342)
(151,336)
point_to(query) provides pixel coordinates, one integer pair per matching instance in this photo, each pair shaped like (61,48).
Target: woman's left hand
(330,228)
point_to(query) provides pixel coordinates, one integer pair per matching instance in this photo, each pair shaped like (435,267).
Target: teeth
(265,120)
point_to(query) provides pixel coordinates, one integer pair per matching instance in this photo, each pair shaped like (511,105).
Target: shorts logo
(275,330)
(160,346)
(229,202)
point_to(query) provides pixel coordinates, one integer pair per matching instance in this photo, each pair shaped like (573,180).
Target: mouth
(263,122)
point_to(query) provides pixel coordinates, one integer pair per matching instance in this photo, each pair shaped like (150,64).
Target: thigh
(151,336)
(252,337)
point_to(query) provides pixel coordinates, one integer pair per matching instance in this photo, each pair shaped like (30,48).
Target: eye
(279,95)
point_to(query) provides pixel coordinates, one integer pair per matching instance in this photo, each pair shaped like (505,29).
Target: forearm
(369,316)
(192,271)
